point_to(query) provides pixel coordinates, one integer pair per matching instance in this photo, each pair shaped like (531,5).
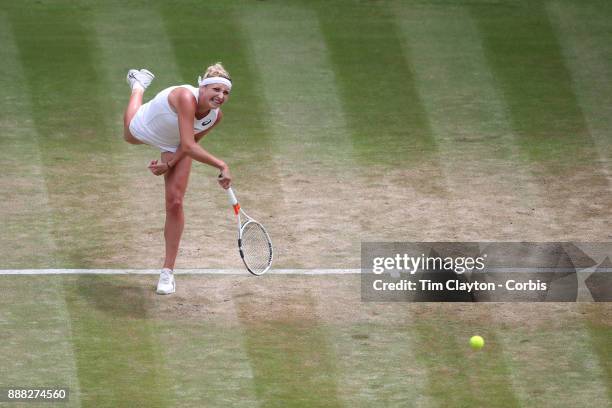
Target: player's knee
(127,136)
(174,204)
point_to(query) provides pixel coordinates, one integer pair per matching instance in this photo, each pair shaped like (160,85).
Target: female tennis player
(174,121)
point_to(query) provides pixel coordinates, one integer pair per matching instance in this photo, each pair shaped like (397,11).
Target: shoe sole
(146,71)
(159,292)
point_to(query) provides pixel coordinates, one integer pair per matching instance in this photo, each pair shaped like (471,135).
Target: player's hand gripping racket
(254,243)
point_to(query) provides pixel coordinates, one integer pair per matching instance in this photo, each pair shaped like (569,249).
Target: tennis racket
(254,243)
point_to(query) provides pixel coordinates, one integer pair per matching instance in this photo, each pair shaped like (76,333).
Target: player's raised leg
(138,80)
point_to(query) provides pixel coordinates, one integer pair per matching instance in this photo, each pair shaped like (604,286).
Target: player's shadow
(114,295)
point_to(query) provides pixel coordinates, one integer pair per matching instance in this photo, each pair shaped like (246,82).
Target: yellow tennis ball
(476,342)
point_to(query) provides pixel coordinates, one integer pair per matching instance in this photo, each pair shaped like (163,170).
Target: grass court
(349,121)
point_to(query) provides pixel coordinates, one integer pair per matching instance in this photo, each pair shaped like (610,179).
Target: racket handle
(232,196)
(233,200)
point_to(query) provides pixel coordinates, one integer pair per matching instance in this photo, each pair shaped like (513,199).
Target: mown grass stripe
(288,347)
(57,52)
(374,345)
(208,363)
(117,351)
(71,353)
(394,150)
(207,358)
(554,363)
(525,56)
(309,130)
(583,31)
(35,347)
(26,212)
(457,375)
(39,351)
(29,220)
(600,332)
(450,70)
(440,53)
(297,81)
(382,107)
(468,119)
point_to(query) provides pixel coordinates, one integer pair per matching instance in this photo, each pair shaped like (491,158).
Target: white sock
(168,270)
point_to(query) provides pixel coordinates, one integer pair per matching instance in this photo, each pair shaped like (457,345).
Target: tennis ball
(476,342)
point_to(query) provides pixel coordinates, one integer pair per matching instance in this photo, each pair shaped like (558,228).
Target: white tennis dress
(156,124)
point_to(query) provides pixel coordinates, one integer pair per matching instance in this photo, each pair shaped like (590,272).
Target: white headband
(214,80)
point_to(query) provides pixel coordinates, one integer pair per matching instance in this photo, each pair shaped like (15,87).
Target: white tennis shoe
(166,284)
(142,78)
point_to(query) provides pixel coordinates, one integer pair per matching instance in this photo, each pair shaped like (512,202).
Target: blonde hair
(217,70)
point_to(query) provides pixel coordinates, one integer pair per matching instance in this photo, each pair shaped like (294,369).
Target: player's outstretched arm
(186,108)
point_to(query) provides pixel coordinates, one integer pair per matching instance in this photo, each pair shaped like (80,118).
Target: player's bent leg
(138,80)
(130,111)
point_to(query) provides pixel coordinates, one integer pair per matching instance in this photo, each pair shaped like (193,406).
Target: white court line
(243,271)
(178,272)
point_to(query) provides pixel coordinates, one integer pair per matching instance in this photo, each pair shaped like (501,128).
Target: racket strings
(256,247)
